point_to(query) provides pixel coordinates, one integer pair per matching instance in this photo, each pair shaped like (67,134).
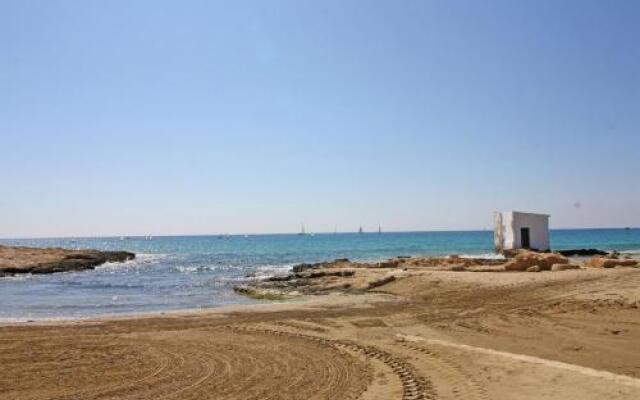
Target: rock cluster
(337,263)
(582,252)
(528,259)
(607,262)
(357,277)
(452,262)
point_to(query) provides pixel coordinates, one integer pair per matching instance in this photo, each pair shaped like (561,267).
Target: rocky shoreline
(28,260)
(343,275)
(438,333)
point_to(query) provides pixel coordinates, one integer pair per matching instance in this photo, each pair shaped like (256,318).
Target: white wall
(513,221)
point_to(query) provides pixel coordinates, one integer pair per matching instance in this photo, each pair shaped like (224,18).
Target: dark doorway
(524,238)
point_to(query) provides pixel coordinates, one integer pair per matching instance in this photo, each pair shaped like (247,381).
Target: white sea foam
(484,256)
(194,269)
(268,270)
(22,320)
(18,277)
(260,271)
(633,252)
(140,260)
(232,279)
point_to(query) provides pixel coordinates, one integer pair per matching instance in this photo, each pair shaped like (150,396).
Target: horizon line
(296,233)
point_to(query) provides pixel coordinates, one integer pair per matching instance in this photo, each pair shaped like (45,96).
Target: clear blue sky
(135,117)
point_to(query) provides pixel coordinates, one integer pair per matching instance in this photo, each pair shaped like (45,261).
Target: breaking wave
(484,256)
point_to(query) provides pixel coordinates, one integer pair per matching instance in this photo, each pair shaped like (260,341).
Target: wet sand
(429,334)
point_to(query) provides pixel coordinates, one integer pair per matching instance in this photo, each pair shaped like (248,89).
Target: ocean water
(191,272)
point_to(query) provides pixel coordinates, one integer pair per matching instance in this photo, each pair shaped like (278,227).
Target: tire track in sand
(414,386)
(461,385)
(594,373)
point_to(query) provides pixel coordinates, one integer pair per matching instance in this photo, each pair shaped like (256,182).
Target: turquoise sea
(189,272)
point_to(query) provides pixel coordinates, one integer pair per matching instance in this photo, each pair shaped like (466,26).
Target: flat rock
(29,260)
(602,262)
(582,252)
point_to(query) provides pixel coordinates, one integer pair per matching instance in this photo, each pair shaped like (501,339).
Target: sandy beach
(319,200)
(428,334)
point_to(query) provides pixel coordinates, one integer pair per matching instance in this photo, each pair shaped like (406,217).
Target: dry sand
(427,335)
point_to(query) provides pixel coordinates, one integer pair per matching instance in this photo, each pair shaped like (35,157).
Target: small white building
(520,230)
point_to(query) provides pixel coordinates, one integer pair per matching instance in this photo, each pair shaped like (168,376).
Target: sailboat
(360,230)
(379,229)
(302,232)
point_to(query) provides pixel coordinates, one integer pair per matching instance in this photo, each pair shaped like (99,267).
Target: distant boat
(121,237)
(302,231)
(379,229)
(360,230)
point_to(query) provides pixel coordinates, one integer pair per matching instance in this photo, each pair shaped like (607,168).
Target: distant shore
(30,260)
